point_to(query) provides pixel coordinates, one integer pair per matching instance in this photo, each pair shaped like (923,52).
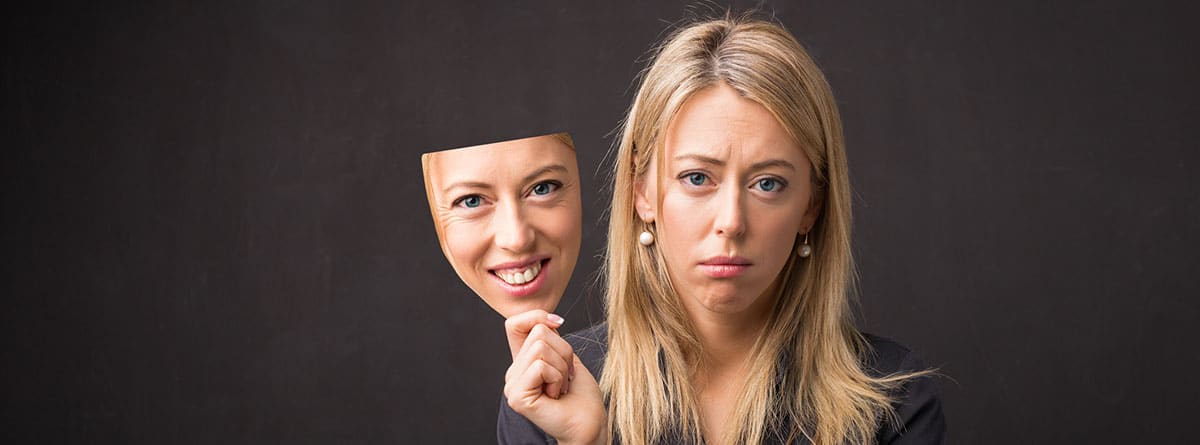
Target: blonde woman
(728,272)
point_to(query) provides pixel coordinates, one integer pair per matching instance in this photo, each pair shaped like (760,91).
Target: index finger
(518,327)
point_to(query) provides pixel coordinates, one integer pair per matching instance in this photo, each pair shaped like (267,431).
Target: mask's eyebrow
(480,185)
(466,185)
(559,168)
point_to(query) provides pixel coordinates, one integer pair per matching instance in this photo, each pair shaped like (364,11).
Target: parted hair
(807,367)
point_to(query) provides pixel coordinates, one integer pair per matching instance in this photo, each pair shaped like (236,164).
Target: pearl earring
(646,238)
(805,249)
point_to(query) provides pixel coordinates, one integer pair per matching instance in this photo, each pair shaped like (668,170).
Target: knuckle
(535,335)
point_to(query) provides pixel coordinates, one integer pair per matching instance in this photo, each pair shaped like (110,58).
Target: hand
(576,416)
(539,330)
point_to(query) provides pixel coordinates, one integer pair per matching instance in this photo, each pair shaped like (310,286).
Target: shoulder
(591,345)
(917,401)
(882,356)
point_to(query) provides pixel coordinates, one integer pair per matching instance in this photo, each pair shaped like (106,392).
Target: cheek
(467,247)
(686,215)
(778,231)
(558,227)
(682,225)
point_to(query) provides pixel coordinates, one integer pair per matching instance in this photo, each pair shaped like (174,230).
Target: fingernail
(554,319)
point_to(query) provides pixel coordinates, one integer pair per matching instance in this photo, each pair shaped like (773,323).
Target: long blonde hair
(821,390)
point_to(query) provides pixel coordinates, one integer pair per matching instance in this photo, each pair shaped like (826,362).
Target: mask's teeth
(521,276)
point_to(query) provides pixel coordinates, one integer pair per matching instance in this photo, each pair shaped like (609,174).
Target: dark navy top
(919,401)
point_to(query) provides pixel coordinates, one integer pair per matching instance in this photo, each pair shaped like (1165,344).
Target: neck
(727,341)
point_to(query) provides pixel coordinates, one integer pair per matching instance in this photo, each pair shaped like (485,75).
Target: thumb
(584,382)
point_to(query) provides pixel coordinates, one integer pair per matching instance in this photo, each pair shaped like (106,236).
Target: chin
(727,304)
(512,306)
(724,298)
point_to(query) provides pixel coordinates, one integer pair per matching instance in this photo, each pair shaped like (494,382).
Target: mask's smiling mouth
(521,278)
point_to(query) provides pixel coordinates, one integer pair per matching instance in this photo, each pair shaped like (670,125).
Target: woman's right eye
(469,201)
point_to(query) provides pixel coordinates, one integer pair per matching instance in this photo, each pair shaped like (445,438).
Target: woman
(729,269)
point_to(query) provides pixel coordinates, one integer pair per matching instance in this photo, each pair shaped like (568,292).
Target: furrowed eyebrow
(757,166)
(773,163)
(701,158)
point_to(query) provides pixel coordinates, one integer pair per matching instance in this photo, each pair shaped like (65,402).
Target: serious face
(732,197)
(509,217)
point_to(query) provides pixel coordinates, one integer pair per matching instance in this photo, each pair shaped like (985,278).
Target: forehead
(717,122)
(499,164)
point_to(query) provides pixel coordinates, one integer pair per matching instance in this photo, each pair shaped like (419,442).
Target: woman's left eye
(544,188)
(769,184)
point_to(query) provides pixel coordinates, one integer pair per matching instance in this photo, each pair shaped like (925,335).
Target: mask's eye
(545,187)
(469,201)
(696,178)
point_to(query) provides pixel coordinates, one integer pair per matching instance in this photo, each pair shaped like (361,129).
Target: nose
(512,232)
(731,218)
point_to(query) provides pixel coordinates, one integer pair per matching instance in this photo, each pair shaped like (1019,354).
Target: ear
(645,194)
(816,204)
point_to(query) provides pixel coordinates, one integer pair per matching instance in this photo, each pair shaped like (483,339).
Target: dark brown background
(215,229)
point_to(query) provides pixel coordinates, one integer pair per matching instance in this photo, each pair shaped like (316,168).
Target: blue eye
(696,178)
(544,188)
(767,184)
(470,202)
(771,184)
